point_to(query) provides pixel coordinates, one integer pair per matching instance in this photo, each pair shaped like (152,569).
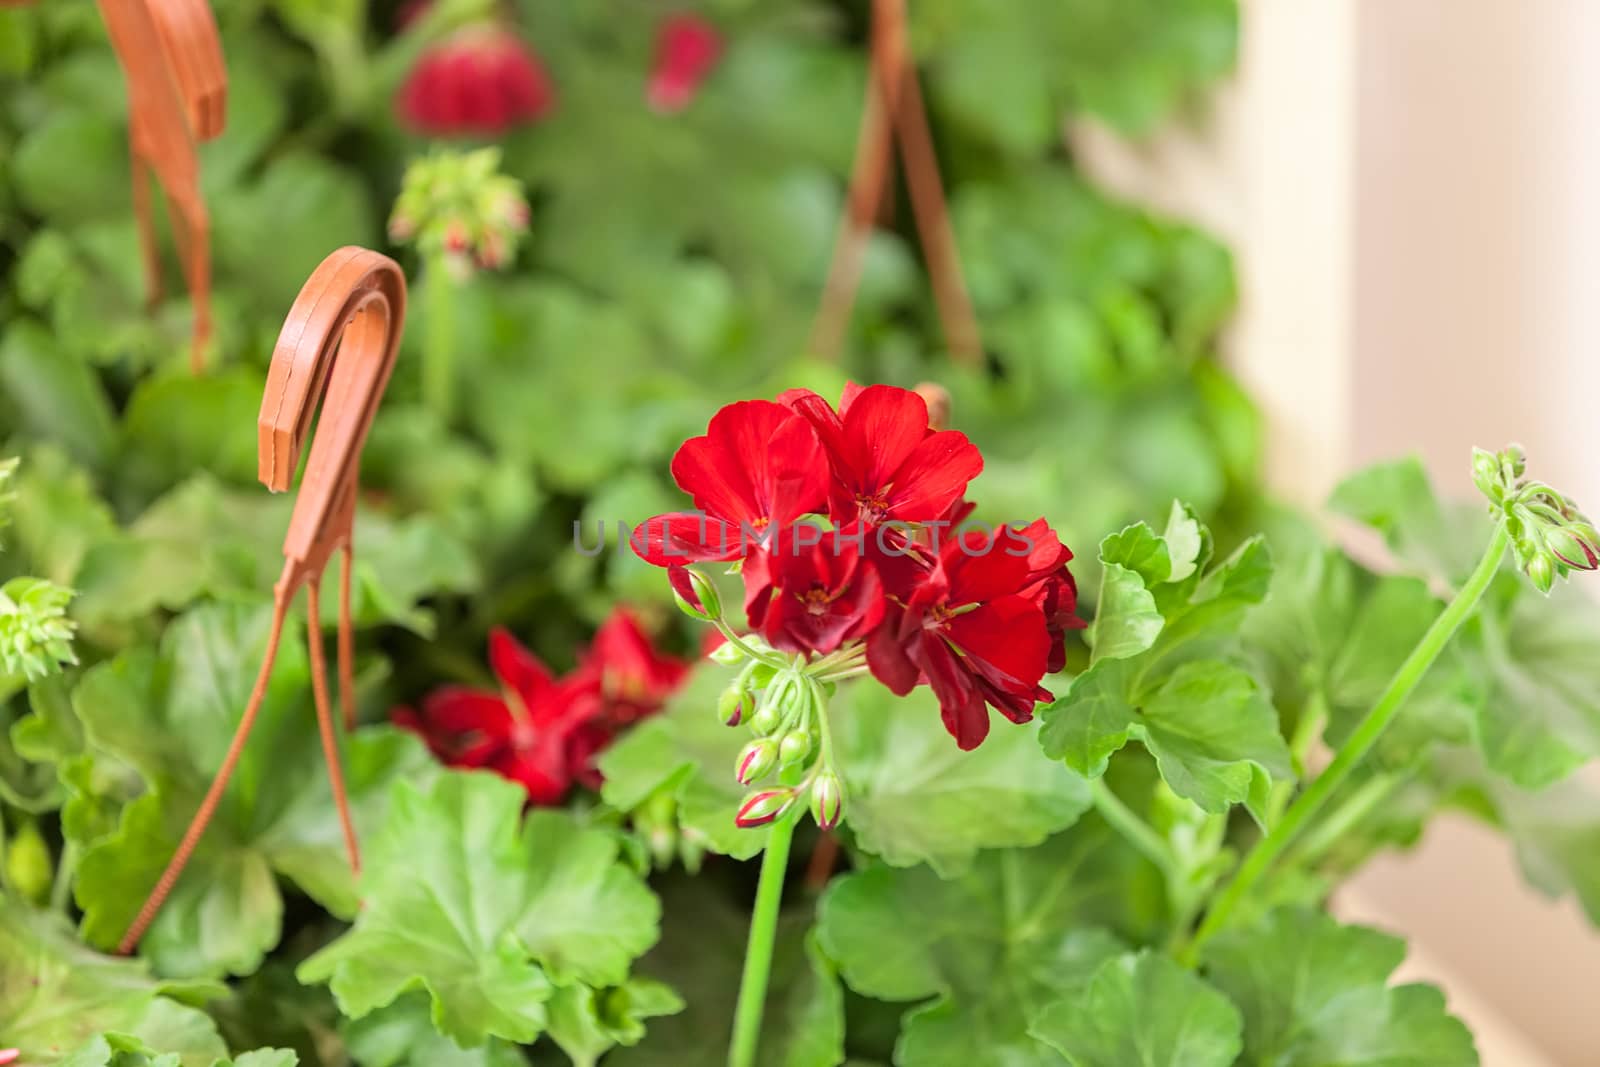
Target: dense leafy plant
(1130,870)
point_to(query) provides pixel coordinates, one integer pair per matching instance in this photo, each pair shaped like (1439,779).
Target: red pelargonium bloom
(630,677)
(971,629)
(758,468)
(822,593)
(888,465)
(687,48)
(1052,587)
(523,732)
(482,81)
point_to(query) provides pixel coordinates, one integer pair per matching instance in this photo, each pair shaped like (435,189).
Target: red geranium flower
(545,732)
(521,732)
(482,81)
(687,47)
(823,592)
(971,632)
(631,678)
(888,464)
(758,468)
(1053,588)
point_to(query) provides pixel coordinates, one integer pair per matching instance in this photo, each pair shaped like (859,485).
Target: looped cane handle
(338,346)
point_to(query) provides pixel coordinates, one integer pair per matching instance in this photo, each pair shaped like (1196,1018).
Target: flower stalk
(763,934)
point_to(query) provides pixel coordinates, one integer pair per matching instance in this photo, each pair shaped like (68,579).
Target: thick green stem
(438,344)
(1125,821)
(1355,748)
(763,931)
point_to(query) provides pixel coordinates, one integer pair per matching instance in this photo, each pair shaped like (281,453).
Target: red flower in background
(888,465)
(970,629)
(687,48)
(541,731)
(482,81)
(823,592)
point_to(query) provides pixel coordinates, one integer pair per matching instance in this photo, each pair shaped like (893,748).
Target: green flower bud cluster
(791,745)
(1550,537)
(460,211)
(35,633)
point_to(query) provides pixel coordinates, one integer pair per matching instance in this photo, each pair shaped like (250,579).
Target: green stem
(1126,822)
(1357,746)
(1312,719)
(66,868)
(763,931)
(1326,833)
(438,344)
(738,642)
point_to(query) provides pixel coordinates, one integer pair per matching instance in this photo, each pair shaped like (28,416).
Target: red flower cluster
(979,617)
(542,731)
(484,80)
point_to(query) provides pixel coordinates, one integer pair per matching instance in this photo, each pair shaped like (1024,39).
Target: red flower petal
(519,670)
(934,476)
(683,537)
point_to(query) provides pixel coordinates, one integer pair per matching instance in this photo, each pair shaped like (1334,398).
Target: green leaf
(1126,621)
(587,1023)
(1557,836)
(175,418)
(1397,500)
(1142,1010)
(501,913)
(985,952)
(687,752)
(57,515)
(1212,730)
(914,797)
(701,954)
(1316,994)
(203,539)
(1541,719)
(57,396)
(171,716)
(402,1035)
(57,995)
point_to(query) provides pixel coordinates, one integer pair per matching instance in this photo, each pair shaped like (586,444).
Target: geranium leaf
(171,716)
(1126,620)
(506,906)
(701,953)
(914,797)
(1316,994)
(1142,1010)
(685,750)
(985,951)
(587,1022)
(403,1035)
(1397,499)
(202,539)
(1541,718)
(56,996)
(1212,730)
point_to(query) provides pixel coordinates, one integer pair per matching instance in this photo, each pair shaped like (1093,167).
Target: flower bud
(767,719)
(28,866)
(728,654)
(761,808)
(1515,460)
(1541,572)
(1570,546)
(734,704)
(827,800)
(756,761)
(696,594)
(794,747)
(1486,473)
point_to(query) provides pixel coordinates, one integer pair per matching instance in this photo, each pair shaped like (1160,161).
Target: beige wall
(1413,188)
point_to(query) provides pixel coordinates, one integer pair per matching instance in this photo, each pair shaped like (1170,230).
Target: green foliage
(490,917)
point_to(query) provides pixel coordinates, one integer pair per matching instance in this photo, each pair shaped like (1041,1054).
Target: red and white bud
(761,808)
(827,800)
(735,703)
(756,761)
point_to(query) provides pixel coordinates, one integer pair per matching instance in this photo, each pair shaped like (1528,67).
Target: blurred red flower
(687,48)
(481,81)
(541,731)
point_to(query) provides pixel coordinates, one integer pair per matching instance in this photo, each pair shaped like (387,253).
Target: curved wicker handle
(339,339)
